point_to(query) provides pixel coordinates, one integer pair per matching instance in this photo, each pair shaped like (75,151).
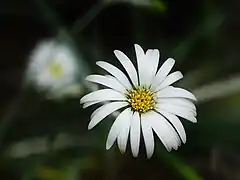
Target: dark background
(203,37)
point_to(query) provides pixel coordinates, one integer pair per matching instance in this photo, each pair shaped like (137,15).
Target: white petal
(177,101)
(163,72)
(142,63)
(147,134)
(103,111)
(117,127)
(178,110)
(176,123)
(170,79)
(128,65)
(123,135)
(165,131)
(135,134)
(103,95)
(173,92)
(117,73)
(147,64)
(148,67)
(85,105)
(160,130)
(181,108)
(111,82)
(153,60)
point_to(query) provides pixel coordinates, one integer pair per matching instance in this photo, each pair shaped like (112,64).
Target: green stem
(186,171)
(82,22)
(7,119)
(49,16)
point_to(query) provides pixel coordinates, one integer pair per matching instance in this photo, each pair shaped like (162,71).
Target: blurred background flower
(41,138)
(53,68)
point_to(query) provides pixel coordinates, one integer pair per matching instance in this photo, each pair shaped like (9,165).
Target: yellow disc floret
(55,69)
(141,100)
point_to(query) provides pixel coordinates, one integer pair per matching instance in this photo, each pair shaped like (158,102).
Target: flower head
(53,66)
(147,99)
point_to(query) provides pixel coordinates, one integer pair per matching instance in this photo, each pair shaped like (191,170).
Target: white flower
(52,67)
(148,101)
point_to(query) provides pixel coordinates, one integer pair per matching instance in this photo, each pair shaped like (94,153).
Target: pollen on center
(55,69)
(141,100)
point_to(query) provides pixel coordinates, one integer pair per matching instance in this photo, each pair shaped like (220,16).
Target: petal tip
(85,106)
(181,74)
(135,155)
(137,45)
(99,63)
(138,48)
(81,101)
(108,146)
(169,149)
(149,155)
(90,126)
(122,151)
(194,97)
(171,60)
(116,51)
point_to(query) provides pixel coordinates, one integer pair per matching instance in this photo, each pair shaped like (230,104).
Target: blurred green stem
(50,17)
(9,116)
(186,171)
(111,165)
(82,22)
(210,25)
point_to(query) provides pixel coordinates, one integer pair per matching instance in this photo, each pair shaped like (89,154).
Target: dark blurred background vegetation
(42,139)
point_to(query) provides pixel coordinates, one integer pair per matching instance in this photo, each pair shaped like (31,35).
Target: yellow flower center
(141,100)
(55,69)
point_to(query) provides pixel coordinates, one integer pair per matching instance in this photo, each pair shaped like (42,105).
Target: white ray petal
(135,131)
(173,92)
(179,111)
(165,131)
(191,111)
(128,66)
(117,73)
(151,119)
(176,123)
(177,101)
(85,105)
(141,63)
(111,82)
(163,72)
(170,79)
(122,138)
(153,56)
(117,127)
(147,134)
(104,111)
(150,66)
(173,139)
(103,95)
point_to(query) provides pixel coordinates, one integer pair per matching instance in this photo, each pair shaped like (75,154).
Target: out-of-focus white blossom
(53,68)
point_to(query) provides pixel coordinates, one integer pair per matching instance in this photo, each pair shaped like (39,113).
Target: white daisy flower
(53,66)
(147,99)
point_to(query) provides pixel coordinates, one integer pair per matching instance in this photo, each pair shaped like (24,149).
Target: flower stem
(82,22)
